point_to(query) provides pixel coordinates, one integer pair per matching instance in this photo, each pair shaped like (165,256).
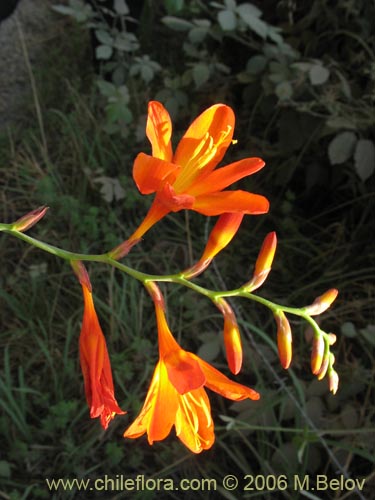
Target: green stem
(214,295)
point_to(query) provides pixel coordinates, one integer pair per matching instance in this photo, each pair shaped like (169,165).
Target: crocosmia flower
(187,179)
(177,395)
(95,364)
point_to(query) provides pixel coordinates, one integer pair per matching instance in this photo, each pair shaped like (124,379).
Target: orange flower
(177,396)
(95,363)
(187,179)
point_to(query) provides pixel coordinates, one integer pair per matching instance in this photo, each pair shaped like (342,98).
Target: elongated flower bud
(324,366)
(322,303)
(317,353)
(221,235)
(263,263)
(30,219)
(232,337)
(284,339)
(333,381)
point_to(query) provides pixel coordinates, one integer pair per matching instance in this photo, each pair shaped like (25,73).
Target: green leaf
(173,6)
(364,158)
(284,91)
(256,64)
(250,15)
(103,51)
(177,24)
(227,20)
(104,37)
(318,74)
(120,7)
(230,4)
(5,469)
(197,34)
(348,330)
(201,74)
(341,148)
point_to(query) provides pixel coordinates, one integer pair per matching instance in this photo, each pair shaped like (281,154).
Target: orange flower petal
(215,127)
(96,366)
(158,413)
(194,425)
(221,384)
(149,172)
(184,371)
(231,201)
(159,131)
(225,176)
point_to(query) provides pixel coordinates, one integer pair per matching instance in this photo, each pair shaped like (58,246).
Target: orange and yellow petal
(159,410)
(194,425)
(159,131)
(221,384)
(207,139)
(225,176)
(149,173)
(184,371)
(231,202)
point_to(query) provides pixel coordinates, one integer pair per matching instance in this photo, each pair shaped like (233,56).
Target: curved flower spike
(187,179)
(263,263)
(94,359)
(284,339)
(177,396)
(221,235)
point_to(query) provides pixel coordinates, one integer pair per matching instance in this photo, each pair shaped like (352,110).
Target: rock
(31,22)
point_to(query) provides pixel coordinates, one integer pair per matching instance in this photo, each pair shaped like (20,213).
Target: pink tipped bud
(232,338)
(333,381)
(284,339)
(322,303)
(317,353)
(81,273)
(29,220)
(263,263)
(221,235)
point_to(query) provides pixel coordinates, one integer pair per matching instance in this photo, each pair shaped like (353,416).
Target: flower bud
(331,338)
(263,263)
(317,353)
(333,381)
(221,235)
(284,339)
(322,303)
(324,366)
(232,338)
(30,219)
